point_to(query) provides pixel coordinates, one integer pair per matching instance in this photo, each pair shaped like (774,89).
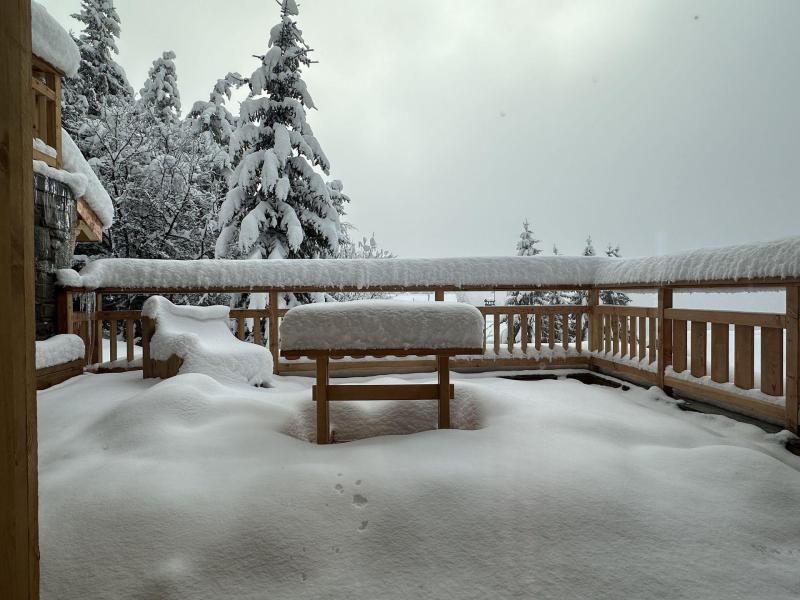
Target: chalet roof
(52,43)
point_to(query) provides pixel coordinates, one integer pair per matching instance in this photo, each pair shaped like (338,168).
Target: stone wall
(55,218)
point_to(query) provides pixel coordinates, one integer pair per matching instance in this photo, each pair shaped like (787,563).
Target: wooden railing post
(97,330)
(438,295)
(664,334)
(148,328)
(792,357)
(65,319)
(274,346)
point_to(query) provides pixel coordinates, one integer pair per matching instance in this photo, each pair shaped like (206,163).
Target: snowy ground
(190,489)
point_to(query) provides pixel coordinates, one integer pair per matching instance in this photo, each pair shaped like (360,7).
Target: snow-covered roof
(94,193)
(772,260)
(52,43)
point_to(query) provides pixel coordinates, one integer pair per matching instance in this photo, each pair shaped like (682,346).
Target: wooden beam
(443,370)
(728,317)
(323,417)
(356,392)
(19,549)
(792,358)
(90,228)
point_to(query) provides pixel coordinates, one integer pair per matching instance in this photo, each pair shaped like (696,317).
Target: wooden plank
(538,333)
(579,332)
(628,311)
(65,314)
(510,332)
(699,335)
(57,120)
(323,416)
(96,338)
(743,363)
(652,340)
(438,295)
(42,90)
(274,342)
(720,336)
(240,331)
(357,392)
(772,361)
(622,369)
(257,330)
(623,335)
(792,358)
(91,228)
(51,376)
(595,320)
(129,339)
(496,332)
(19,572)
(633,348)
(729,317)
(443,372)
(523,332)
(551,331)
(664,339)
(45,158)
(614,333)
(642,338)
(679,353)
(112,340)
(378,352)
(607,333)
(730,400)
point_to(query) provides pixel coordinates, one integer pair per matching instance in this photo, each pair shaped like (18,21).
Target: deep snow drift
(191,489)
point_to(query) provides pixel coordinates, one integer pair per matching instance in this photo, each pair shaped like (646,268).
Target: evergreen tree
(526,246)
(99,76)
(160,93)
(607,296)
(213,115)
(363,248)
(581,296)
(278,205)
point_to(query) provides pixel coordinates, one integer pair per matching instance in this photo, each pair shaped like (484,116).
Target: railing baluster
(129,338)
(496,332)
(565,331)
(678,345)
(720,334)
(510,332)
(551,331)
(112,339)
(772,361)
(743,362)
(699,343)
(579,332)
(537,336)
(257,330)
(642,337)
(607,333)
(240,323)
(523,332)
(623,348)
(652,340)
(633,347)
(614,334)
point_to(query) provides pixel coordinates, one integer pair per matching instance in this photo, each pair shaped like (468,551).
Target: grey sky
(658,125)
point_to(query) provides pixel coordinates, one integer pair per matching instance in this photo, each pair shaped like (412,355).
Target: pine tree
(526,246)
(160,93)
(99,76)
(278,205)
(580,297)
(608,296)
(213,115)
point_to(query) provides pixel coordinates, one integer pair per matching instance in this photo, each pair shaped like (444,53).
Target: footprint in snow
(358,482)
(359,501)
(363,525)
(339,488)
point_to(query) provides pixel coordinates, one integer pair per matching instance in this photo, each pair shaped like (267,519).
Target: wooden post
(743,360)
(664,341)
(595,320)
(323,416)
(19,546)
(792,357)
(438,295)
(274,346)
(65,321)
(97,330)
(129,339)
(443,371)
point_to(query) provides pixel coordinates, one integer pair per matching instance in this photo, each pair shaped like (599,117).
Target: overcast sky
(658,125)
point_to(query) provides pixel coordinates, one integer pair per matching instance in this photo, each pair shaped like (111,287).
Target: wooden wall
(19,564)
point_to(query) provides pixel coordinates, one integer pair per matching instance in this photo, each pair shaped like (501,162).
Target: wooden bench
(379,328)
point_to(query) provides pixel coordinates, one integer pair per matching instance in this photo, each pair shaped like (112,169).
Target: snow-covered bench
(381,328)
(195,339)
(58,359)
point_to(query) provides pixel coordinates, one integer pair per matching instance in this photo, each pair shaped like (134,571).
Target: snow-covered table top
(382,325)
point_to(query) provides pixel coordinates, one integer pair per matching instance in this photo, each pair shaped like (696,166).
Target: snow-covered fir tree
(278,205)
(213,115)
(99,76)
(526,246)
(160,93)
(366,247)
(608,296)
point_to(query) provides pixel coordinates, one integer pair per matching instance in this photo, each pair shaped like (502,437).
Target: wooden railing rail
(708,354)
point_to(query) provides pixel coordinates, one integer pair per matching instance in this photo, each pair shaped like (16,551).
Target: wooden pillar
(792,358)
(321,395)
(65,318)
(19,551)
(664,341)
(274,345)
(443,371)
(438,295)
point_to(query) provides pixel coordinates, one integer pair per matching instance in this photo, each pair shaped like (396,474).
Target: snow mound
(367,419)
(51,42)
(202,338)
(368,324)
(59,350)
(778,259)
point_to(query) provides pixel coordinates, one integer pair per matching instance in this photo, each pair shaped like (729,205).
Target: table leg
(323,417)
(443,371)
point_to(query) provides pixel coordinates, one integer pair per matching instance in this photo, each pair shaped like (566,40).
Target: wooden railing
(662,346)
(46,88)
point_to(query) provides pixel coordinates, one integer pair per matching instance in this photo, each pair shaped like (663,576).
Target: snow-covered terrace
(189,488)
